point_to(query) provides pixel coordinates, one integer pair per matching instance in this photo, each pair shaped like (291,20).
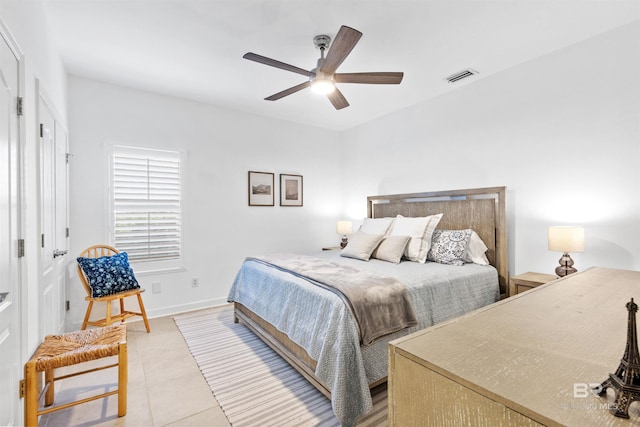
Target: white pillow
(361,245)
(391,249)
(476,251)
(420,230)
(376,225)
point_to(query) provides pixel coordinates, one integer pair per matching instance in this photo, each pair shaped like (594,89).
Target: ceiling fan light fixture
(321,83)
(322,86)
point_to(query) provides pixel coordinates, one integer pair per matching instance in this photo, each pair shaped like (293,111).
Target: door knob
(57,253)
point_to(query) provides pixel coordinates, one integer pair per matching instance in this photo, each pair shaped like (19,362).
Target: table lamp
(566,239)
(344,228)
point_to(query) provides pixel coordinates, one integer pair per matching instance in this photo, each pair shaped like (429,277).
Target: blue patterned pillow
(108,274)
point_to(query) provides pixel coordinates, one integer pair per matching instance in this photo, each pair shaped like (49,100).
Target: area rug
(254,385)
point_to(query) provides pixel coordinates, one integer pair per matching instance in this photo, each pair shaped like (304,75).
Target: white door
(53,214)
(10,329)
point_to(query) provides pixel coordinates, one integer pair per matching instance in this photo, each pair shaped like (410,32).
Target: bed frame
(481,209)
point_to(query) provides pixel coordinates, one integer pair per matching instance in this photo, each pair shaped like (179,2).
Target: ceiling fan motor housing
(321,42)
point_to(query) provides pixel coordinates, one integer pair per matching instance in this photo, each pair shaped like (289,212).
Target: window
(146,209)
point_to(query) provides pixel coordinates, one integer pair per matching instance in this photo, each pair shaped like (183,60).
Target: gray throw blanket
(380,304)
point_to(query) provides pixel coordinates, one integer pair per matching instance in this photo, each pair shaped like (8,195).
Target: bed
(316,332)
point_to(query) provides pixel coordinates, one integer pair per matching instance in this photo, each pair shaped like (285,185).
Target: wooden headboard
(481,209)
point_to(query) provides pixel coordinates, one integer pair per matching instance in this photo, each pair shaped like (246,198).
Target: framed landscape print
(290,190)
(261,189)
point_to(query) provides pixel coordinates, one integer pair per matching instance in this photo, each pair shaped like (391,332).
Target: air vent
(461,75)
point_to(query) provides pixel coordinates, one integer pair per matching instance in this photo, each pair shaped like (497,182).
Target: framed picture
(261,188)
(290,190)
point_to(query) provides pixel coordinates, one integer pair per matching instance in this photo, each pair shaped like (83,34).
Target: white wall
(561,132)
(28,25)
(221,146)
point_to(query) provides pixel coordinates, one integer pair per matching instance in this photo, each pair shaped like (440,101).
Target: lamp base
(566,265)
(344,242)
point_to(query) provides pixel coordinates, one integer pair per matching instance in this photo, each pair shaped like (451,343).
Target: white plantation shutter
(146,205)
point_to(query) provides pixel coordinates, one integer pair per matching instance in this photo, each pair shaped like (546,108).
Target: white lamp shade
(343,227)
(566,239)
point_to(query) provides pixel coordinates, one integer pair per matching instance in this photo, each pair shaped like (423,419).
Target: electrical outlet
(195,282)
(156,288)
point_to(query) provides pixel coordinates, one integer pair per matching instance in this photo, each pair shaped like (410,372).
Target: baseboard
(183,308)
(167,311)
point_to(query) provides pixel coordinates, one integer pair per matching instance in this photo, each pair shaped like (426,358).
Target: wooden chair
(72,348)
(97,251)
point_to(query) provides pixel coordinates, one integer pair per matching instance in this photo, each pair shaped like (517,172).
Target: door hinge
(41,130)
(68,156)
(42,240)
(67,305)
(22,388)
(67,232)
(20,248)
(20,106)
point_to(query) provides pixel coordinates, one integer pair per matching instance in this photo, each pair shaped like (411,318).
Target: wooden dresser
(524,361)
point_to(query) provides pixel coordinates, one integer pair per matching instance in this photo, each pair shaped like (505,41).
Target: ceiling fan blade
(337,99)
(342,45)
(369,78)
(277,64)
(289,91)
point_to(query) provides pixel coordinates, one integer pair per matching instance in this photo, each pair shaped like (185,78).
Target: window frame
(142,267)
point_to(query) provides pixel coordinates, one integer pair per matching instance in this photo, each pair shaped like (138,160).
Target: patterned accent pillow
(449,246)
(108,275)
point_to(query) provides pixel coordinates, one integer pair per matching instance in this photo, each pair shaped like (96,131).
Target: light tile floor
(165,386)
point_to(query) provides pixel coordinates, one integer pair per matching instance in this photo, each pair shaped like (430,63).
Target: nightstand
(332,248)
(525,281)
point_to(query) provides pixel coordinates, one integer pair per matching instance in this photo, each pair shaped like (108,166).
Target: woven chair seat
(72,348)
(76,347)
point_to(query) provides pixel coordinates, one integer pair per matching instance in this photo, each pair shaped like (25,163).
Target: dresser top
(535,351)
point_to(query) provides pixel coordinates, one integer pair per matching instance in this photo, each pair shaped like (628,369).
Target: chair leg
(108,318)
(31,395)
(121,300)
(144,313)
(49,381)
(122,379)
(87,315)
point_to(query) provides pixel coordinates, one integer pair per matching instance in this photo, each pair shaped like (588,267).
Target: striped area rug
(253,385)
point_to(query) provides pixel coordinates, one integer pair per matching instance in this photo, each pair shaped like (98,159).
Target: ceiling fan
(323,78)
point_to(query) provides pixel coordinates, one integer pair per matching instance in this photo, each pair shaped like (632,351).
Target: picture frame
(291,190)
(261,188)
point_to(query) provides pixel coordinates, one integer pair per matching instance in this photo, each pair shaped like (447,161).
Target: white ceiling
(193,48)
